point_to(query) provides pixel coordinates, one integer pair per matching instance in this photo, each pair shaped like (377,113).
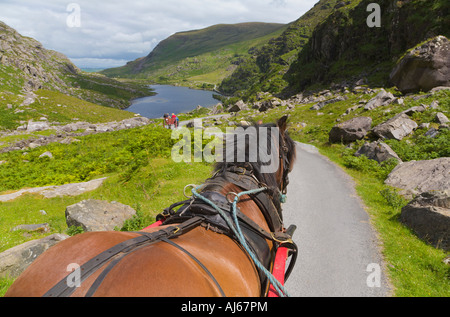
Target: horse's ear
(282,124)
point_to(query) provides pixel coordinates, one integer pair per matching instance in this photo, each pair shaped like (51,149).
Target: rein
(236,228)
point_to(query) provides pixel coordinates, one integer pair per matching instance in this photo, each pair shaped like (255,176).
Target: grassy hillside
(200,56)
(26,67)
(263,70)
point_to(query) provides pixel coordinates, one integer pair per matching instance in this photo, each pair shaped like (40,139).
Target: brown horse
(193,254)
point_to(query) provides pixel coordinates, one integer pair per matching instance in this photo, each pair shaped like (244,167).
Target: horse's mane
(268,179)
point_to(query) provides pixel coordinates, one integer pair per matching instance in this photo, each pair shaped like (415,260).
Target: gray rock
(424,67)
(434,104)
(98,215)
(37,126)
(432,133)
(378,151)
(322,104)
(414,110)
(396,128)
(46,154)
(351,130)
(416,177)
(238,106)
(15,260)
(441,118)
(428,215)
(56,191)
(217,109)
(45,227)
(383,98)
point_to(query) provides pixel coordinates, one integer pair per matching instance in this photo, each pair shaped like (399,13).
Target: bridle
(286,166)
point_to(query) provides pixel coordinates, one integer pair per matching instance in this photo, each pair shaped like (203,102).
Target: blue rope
(235,227)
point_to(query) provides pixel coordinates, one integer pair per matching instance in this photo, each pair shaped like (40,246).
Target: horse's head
(265,150)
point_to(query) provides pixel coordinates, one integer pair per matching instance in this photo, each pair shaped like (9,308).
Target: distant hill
(205,55)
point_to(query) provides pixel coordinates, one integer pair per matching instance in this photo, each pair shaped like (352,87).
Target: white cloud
(115,31)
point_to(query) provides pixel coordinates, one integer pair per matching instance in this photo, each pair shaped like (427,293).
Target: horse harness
(191,214)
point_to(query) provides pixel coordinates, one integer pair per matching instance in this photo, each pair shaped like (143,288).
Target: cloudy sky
(100,33)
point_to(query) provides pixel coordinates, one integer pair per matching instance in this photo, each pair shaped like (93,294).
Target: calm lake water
(171,99)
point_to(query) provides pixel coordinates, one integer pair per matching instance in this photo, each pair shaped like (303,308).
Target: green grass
(58,107)
(140,170)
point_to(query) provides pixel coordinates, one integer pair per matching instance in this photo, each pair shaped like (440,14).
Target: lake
(171,99)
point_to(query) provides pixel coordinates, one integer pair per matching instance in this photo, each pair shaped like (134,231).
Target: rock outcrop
(425,67)
(56,191)
(383,98)
(352,130)
(65,134)
(15,260)
(39,67)
(396,128)
(416,177)
(378,151)
(98,215)
(428,215)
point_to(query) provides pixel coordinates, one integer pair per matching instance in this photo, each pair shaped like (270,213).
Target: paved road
(337,245)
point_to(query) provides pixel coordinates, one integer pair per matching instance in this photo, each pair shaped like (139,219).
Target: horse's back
(159,269)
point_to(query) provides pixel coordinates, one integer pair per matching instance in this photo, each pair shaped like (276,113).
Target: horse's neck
(247,206)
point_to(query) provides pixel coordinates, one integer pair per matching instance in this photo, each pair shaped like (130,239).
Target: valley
(369,99)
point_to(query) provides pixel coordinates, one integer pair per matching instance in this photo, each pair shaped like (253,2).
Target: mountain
(32,66)
(332,44)
(206,55)
(264,68)
(26,66)
(344,50)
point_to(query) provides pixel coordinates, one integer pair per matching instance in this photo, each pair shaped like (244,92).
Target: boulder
(15,260)
(416,177)
(98,215)
(37,126)
(216,109)
(238,106)
(396,128)
(44,227)
(269,104)
(424,67)
(428,215)
(322,104)
(351,130)
(378,151)
(415,109)
(383,98)
(441,118)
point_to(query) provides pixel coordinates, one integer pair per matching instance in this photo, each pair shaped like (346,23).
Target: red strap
(279,268)
(155,225)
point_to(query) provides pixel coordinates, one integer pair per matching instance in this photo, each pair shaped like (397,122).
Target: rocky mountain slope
(33,66)
(343,48)
(26,66)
